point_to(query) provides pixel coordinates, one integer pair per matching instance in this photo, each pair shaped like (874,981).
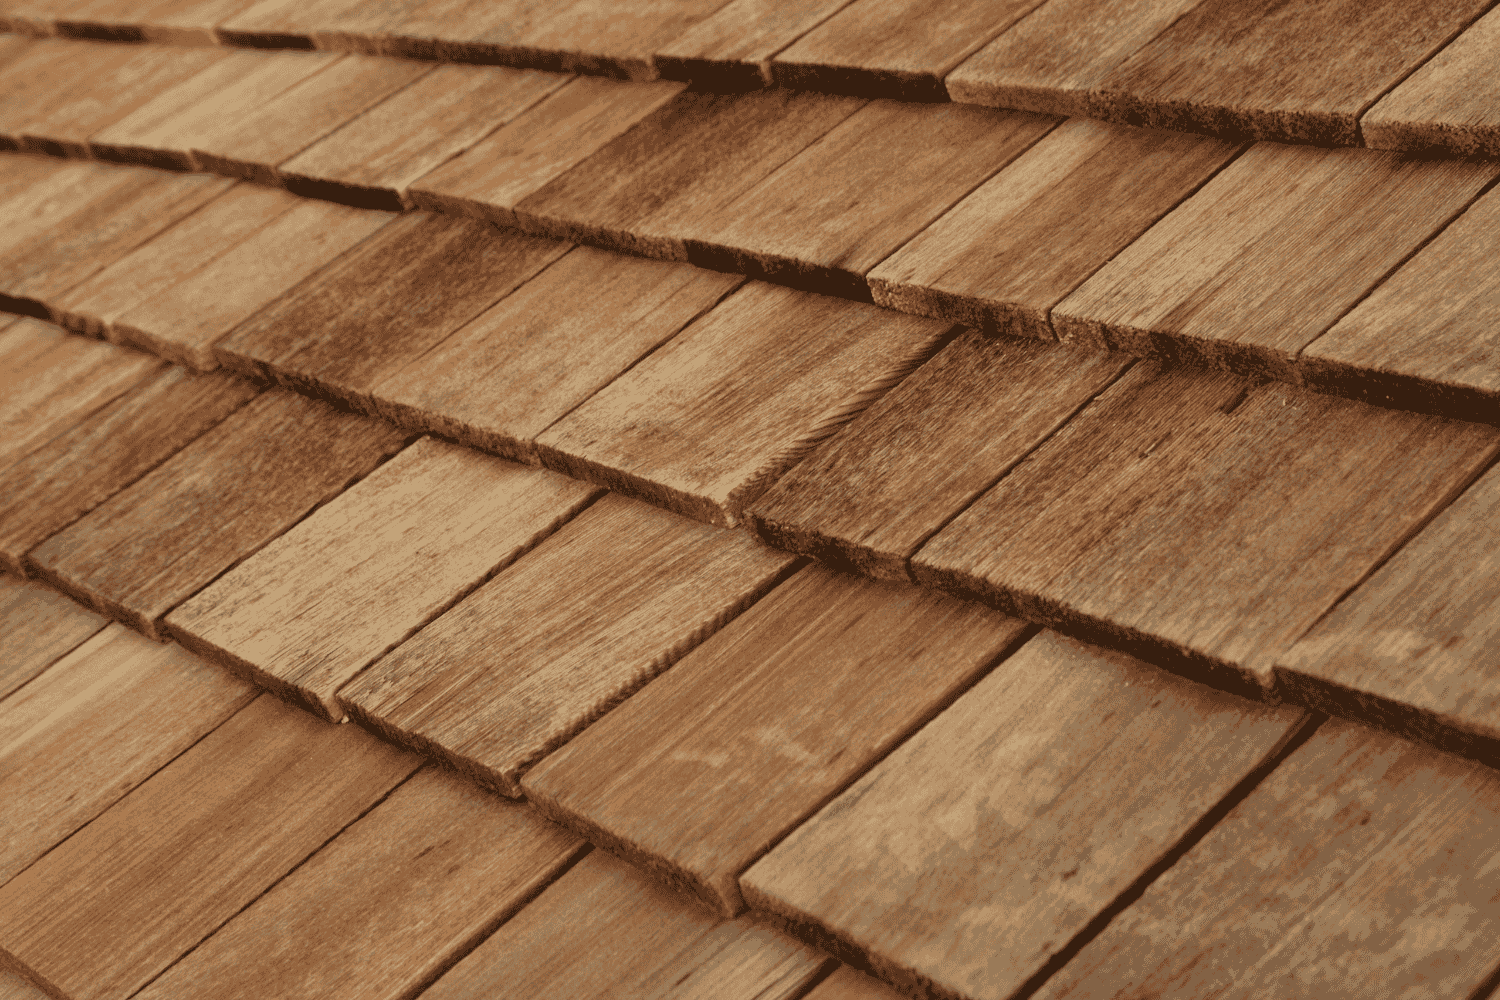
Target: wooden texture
(977,850)
(122,899)
(708,421)
(899,49)
(210,506)
(1416,647)
(314,607)
(163,131)
(711,765)
(253,145)
(1451,104)
(537,354)
(94,725)
(597,610)
(607,930)
(644,190)
(869,497)
(184,322)
(1298,71)
(371,161)
(1056,56)
(1315,230)
(384,303)
(14,987)
(848,983)
(732,50)
(32,78)
(82,467)
(1005,255)
(1205,516)
(178,22)
(281,24)
(170,257)
(1428,337)
(561,130)
(1362,866)
(385,907)
(872,183)
(38,626)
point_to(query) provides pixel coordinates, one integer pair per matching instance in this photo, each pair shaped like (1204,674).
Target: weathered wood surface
(1313,231)
(384,303)
(1056,56)
(1121,522)
(1451,104)
(94,725)
(848,983)
(984,844)
(163,131)
(314,607)
(867,187)
(732,50)
(575,627)
(1428,337)
(385,907)
(709,766)
(1416,647)
(646,189)
(13,987)
(34,75)
(122,899)
(870,496)
(537,354)
(170,257)
(279,24)
(713,417)
(561,130)
(1007,253)
(38,626)
(255,144)
(53,382)
(371,160)
(178,22)
(899,49)
(210,506)
(605,930)
(90,462)
(1362,866)
(1300,71)
(184,322)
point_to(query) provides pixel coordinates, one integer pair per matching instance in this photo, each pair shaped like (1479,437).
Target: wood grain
(1121,522)
(32,77)
(558,132)
(176,22)
(1361,866)
(646,189)
(385,907)
(371,160)
(125,897)
(212,505)
(384,303)
(1056,56)
(872,183)
(1006,254)
(848,983)
(37,627)
(708,767)
(1413,648)
(708,421)
(184,322)
(1451,104)
(732,50)
(94,725)
(593,613)
(537,354)
(606,929)
(1426,337)
(314,607)
(977,850)
(870,496)
(1299,71)
(14,987)
(94,459)
(1315,230)
(899,49)
(279,24)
